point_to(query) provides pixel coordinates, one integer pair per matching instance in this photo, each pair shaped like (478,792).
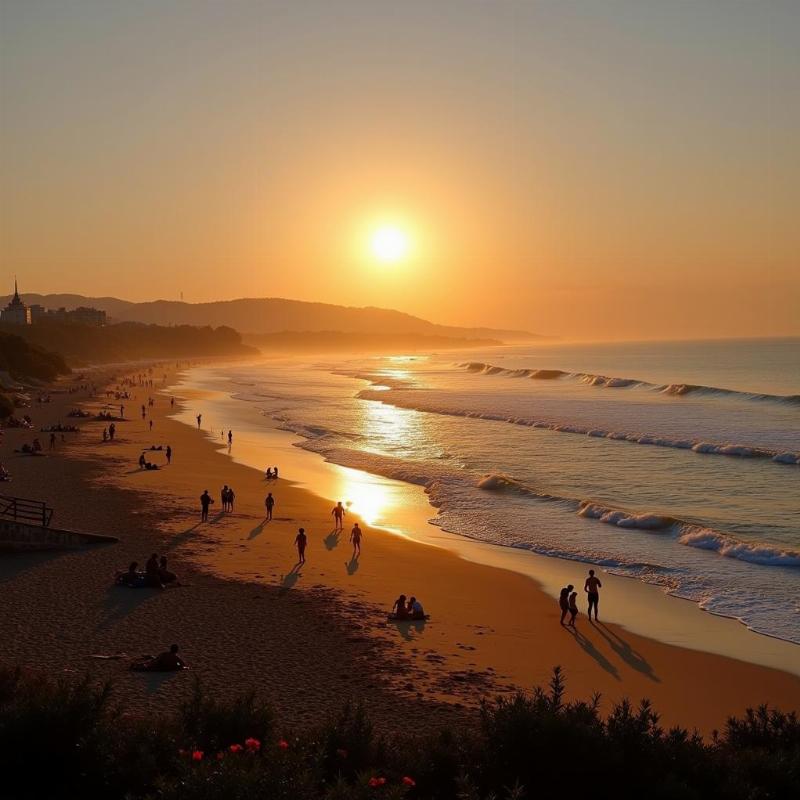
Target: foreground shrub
(67,738)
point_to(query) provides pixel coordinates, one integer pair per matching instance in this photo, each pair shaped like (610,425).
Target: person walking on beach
(199,420)
(563,601)
(355,538)
(270,504)
(573,608)
(230,438)
(223,496)
(205,501)
(231,498)
(151,424)
(591,588)
(301,540)
(112,430)
(169,454)
(338,516)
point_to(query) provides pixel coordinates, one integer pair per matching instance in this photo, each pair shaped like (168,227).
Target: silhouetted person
(399,609)
(355,538)
(269,502)
(301,540)
(591,587)
(230,438)
(223,495)
(169,454)
(268,474)
(122,411)
(338,516)
(142,461)
(172,402)
(275,473)
(205,501)
(112,431)
(199,420)
(231,498)
(105,434)
(563,601)
(573,608)
(168,661)
(151,424)
(165,574)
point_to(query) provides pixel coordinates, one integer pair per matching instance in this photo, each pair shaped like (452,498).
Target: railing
(30,511)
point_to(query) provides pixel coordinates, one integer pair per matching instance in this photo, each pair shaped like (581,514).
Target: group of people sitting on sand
(60,428)
(271,474)
(156,575)
(568,599)
(33,449)
(78,412)
(411,609)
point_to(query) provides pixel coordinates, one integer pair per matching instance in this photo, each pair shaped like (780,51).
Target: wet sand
(310,637)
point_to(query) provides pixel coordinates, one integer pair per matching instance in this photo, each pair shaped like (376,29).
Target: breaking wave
(697,446)
(612,382)
(687,533)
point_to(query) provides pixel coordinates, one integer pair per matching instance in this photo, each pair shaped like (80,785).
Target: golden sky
(585,169)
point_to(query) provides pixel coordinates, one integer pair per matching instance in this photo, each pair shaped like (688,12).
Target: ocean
(675,463)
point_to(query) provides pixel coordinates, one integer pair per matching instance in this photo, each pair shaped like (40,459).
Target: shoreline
(650,611)
(311,639)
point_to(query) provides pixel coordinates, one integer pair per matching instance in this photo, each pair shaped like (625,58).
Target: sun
(389,244)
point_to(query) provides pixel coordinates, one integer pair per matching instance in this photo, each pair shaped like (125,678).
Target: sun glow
(389,244)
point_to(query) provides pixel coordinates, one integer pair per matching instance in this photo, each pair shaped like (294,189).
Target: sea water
(674,463)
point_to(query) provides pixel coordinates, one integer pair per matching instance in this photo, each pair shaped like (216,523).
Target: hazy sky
(589,169)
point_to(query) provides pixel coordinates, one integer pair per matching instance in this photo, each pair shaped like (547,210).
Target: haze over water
(639,458)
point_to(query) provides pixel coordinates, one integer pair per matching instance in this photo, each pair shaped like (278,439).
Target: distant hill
(273,315)
(337,342)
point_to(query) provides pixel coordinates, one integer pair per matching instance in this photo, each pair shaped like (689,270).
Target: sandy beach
(306,638)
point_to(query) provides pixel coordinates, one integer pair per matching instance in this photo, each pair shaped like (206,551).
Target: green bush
(67,738)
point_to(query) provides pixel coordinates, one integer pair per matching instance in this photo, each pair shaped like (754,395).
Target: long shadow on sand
(352,565)
(331,541)
(15,564)
(258,530)
(591,650)
(122,600)
(409,628)
(290,578)
(630,656)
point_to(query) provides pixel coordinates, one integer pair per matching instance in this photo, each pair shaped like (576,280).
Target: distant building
(16,312)
(82,315)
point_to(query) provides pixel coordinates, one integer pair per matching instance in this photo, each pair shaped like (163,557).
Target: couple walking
(568,599)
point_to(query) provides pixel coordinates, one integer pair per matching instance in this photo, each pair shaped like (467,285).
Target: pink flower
(236,748)
(375,782)
(409,781)
(197,755)
(283,744)
(252,745)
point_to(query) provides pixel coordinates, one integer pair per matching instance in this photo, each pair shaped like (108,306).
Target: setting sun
(389,244)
